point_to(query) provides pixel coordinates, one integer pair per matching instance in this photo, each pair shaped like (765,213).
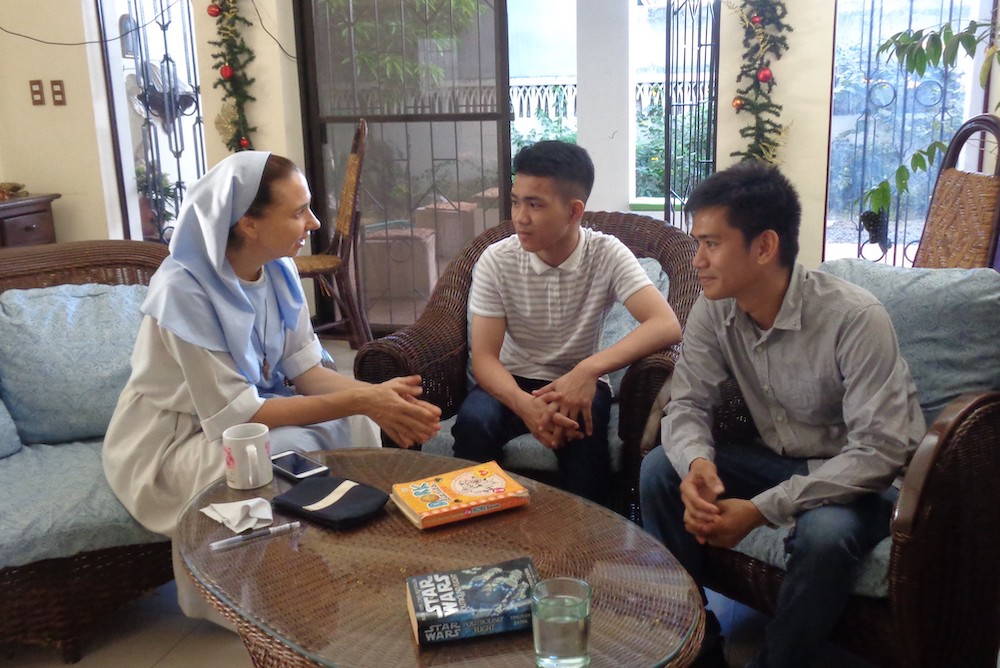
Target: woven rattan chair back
(964,216)
(331,268)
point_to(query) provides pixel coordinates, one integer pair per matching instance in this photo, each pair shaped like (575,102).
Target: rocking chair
(331,267)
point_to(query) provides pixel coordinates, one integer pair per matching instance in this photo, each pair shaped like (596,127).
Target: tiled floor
(743,629)
(153,633)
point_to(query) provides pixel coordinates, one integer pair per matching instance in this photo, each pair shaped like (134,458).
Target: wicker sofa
(929,595)
(69,552)
(436,347)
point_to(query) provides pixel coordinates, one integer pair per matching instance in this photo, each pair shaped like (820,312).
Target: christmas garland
(231,62)
(764,39)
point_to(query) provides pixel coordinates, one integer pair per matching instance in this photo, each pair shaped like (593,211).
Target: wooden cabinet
(26,221)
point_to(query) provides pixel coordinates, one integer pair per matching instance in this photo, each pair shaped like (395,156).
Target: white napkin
(241,515)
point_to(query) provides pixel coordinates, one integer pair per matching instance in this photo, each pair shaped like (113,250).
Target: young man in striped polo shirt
(539,299)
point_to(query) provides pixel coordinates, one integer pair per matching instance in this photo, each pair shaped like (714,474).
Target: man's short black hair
(756,197)
(570,165)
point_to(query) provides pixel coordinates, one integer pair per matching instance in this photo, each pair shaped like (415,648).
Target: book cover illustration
(470,602)
(457,495)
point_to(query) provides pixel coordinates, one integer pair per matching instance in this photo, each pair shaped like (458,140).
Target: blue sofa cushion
(64,357)
(620,322)
(768,545)
(10,442)
(946,321)
(65,505)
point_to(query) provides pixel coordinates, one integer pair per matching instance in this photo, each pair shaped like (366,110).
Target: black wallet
(334,502)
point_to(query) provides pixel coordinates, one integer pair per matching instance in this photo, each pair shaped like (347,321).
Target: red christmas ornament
(738,103)
(755,19)
(226,72)
(764,75)
(244,142)
(214,10)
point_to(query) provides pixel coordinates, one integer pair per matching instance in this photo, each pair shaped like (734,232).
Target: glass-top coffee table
(328,598)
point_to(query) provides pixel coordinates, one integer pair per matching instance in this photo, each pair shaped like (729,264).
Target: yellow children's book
(457,495)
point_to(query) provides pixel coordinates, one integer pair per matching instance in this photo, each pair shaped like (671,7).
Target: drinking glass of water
(560,619)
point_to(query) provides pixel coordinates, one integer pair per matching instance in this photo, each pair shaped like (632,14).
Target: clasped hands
(395,408)
(560,411)
(711,520)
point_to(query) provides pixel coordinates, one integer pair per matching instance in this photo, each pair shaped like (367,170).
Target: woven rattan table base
(338,598)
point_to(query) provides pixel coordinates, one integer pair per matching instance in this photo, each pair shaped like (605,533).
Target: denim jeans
(484,425)
(823,549)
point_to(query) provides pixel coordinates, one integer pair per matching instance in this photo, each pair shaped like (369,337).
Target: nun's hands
(395,407)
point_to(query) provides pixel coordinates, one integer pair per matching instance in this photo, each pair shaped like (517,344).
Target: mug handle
(254,461)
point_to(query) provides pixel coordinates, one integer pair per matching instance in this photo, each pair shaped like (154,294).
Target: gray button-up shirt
(826,383)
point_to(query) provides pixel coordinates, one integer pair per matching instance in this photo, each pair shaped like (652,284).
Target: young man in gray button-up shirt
(817,360)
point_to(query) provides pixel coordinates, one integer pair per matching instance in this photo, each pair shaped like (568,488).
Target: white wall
(67,149)
(603,98)
(275,113)
(803,79)
(52,149)
(56,149)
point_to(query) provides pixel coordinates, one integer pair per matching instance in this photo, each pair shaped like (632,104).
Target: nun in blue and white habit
(225,326)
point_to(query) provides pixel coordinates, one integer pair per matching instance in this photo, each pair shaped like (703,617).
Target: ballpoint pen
(259,533)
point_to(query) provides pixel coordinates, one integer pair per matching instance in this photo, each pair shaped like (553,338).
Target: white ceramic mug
(248,455)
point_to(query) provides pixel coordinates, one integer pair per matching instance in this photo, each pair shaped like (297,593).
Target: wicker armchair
(436,346)
(963,221)
(943,607)
(57,601)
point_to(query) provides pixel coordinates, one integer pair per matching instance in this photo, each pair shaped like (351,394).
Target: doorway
(156,109)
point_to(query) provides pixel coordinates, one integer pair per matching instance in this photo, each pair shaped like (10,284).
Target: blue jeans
(823,549)
(484,425)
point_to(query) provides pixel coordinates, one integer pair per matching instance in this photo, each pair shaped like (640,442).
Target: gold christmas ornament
(225,122)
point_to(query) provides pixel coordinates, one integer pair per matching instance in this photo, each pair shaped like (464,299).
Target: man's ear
(577,208)
(768,247)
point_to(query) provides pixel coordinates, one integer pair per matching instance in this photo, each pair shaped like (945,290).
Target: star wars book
(458,495)
(475,601)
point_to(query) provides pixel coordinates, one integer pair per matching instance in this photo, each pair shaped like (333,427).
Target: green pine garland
(232,60)
(764,39)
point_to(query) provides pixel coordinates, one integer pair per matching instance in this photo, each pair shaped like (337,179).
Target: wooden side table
(27,221)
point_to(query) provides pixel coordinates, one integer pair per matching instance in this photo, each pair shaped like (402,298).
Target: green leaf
(918,163)
(984,71)
(883,197)
(951,45)
(934,49)
(969,43)
(947,32)
(877,197)
(902,179)
(920,62)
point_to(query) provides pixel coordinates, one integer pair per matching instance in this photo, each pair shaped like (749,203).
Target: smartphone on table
(296,466)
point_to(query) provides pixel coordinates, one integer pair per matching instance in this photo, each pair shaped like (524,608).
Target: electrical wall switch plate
(58,93)
(37,92)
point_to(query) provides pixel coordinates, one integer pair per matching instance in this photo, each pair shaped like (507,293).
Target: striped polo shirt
(554,314)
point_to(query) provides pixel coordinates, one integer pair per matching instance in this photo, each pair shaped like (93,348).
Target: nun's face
(285,226)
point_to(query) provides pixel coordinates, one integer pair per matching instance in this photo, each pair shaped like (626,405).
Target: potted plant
(157,203)
(876,223)
(916,50)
